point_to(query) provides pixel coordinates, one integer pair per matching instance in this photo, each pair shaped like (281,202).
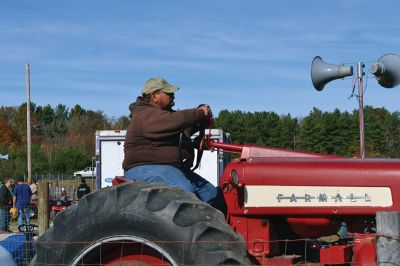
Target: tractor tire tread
(178,215)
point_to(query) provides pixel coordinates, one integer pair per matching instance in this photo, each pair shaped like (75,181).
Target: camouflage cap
(158,84)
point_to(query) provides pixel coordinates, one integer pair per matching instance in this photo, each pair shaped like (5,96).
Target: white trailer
(110,154)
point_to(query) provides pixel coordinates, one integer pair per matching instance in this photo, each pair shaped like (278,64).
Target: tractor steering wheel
(187,146)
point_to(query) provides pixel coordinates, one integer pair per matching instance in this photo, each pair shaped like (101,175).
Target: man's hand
(206,109)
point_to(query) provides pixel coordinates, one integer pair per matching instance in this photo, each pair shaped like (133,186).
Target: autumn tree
(63,139)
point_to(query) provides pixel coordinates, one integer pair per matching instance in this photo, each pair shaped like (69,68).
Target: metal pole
(360,74)
(93,158)
(28,123)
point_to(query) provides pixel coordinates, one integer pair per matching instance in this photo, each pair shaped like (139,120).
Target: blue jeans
(5,219)
(24,212)
(186,180)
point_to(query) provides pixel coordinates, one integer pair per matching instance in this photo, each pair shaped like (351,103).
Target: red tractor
(282,207)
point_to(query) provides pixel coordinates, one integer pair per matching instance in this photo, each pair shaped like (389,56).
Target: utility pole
(360,74)
(28,123)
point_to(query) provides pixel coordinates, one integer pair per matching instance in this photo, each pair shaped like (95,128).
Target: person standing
(83,189)
(22,200)
(64,199)
(34,189)
(12,185)
(5,204)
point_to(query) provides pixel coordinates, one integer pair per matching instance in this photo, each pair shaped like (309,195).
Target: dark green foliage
(63,139)
(334,132)
(67,160)
(330,133)
(382,132)
(262,128)
(287,130)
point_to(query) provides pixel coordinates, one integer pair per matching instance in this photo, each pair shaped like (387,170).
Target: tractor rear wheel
(137,223)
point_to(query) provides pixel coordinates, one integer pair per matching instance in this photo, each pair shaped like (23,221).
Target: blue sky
(236,55)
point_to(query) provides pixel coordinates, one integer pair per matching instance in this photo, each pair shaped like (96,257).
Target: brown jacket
(153,134)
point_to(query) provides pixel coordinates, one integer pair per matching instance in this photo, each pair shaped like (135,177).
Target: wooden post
(43,207)
(388,238)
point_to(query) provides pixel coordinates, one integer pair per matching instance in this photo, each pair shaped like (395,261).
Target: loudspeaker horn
(322,73)
(387,70)
(4,157)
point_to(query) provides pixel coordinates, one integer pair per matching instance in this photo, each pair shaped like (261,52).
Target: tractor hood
(316,185)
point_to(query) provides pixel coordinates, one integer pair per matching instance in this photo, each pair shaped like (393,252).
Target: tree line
(63,139)
(335,133)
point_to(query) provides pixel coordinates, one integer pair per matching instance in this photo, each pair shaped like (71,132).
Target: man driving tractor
(152,148)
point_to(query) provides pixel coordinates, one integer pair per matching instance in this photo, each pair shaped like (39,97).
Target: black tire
(189,231)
